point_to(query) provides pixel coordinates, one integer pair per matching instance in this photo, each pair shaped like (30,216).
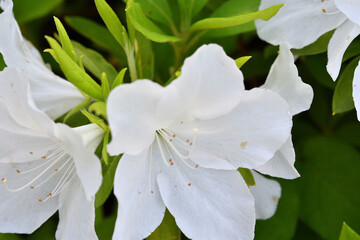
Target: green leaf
(65,40)
(144,57)
(167,229)
(112,22)
(353,50)
(145,25)
(10,236)
(74,73)
(283,224)
(76,109)
(94,62)
(97,34)
(94,119)
(317,47)
(158,10)
(104,154)
(329,181)
(99,108)
(119,78)
(2,63)
(241,61)
(233,8)
(26,11)
(217,23)
(105,85)
(348,234)
(107,184)
(189,9)
(248,177)
(343,100)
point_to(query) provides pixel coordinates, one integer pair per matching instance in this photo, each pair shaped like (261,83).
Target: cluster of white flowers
(181,144)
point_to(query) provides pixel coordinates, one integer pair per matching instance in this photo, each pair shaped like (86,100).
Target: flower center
(50,174)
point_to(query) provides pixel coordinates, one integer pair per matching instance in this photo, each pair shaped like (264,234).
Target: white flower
(301,23)
(183,144)
(283,79)
(52,94)
(44,166)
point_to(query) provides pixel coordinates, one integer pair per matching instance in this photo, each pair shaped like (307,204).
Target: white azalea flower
(44,166)
(52,94)
(183,143)
(301,23)
(283,79)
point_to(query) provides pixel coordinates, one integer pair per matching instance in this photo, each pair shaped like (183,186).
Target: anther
(18,171)
(32,187)
(173,135)
(152,192)
(43,157)
(170,160)
(3,180)
(56,170)
(40,200)
(324,11)
(190,143)
(187,140)
(181,122)
(189,184)
(31,153)
(50,194)
(170,140)
(197,165)
(171,163)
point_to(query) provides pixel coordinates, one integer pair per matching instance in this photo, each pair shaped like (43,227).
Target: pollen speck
(171,163)
(31,153)
(32,187)
(243,144)
(56,170)
(187,140)
(190,143)
(181,122)
(197,165)
(18,171)
(170,140)
(324,11)
(170,160)
(152,192)
(3,180)
(173,135)
(189,184)
(43,157)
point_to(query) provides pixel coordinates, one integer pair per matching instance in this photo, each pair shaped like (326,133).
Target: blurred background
(326,138)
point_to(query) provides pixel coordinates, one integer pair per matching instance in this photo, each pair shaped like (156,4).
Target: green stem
(130,54)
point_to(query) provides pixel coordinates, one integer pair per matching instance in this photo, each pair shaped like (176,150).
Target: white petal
(284,79)
(249,135)
(299,23)
(76,214)
(140,207)
(207,203)
(339,42)
(356,90)
(266,193)
(21,212)
(282,164)
(131,110)
(91,134)
(210,85)
(350,8)
(53,95)
(88,166)
(23,127)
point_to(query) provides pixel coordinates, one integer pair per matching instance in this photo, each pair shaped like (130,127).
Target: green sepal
(52,53)
(94,119)
(74,73)
(65,40)
(348,234)
(105,85)
(146,26)
(119,78)
(167,229)
(99,108)
(104,154)
(248,177)
(112,22)
(241,61)
(107,183)
(76,109)
(217,23)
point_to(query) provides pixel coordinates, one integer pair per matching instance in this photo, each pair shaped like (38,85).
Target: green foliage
(247,175)
(317,47)
(330,176)
(216,23)
(145,25)
(145,58)
(241,61)
(119,78)
(108,182)
(2,63)
(94,119)
(167,229)
(343,100)
(26,11)
(348,234)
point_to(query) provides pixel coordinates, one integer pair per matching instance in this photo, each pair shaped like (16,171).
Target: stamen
(3,180)
(161,150)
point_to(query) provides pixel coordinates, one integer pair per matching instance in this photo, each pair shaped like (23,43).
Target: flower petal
(207,203)
(282,164)
(88,166)
(140,207)
(76,213)
(266,193)
(350,8)
(356,90)
(210,85)
(52,94)
(339,42)
(131,111)
(299,23)
(284,79)
(21,212)
(249,135)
